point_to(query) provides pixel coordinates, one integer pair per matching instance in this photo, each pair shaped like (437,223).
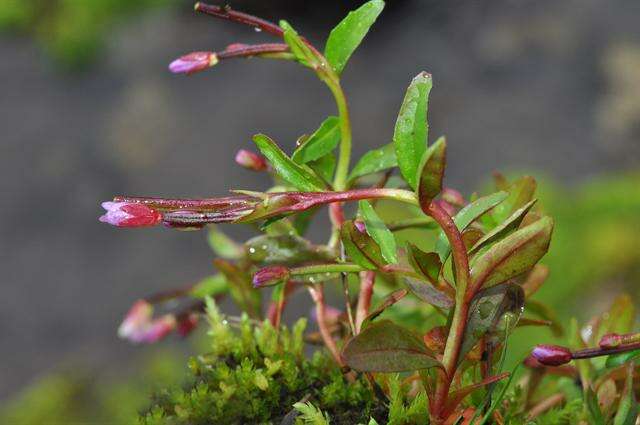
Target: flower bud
(156,330)
(552,355)
(269,276)
(251,160)
(123,214)
(139,315)
(610,341)
(193,62)
(187,324)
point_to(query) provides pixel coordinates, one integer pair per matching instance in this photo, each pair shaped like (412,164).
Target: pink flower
(552,355)
(193,62)
(269,276)
(123,214)
(140,327)
(251,160)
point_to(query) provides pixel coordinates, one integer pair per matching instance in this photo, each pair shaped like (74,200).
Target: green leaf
(486,311)
(286,249)
(361,247)
(322,142)
(299,48)
(628,408)
(324,167)
(431,173)
(241,288)
(506,227)
(285,167)
(521,192)
(593,407)
(513,255)
(210,287)
(379,232)
(428,293)
(426,263)
(616,360)
(387,347)
(388,301)
(375,161)
(465,217)
(348,34)
(222,245)
(411,131)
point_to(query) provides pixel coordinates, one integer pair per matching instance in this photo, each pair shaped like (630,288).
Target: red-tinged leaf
(465,217)
(388,301)
(521,192)
(513,255)
(535,279)
(503,229)
(376,228)
(436,339)
(487,310)
(284,249)
(361,247)
(431,173)
(428,293)
(426,263)
(387,347)
(471,236)
(456,397)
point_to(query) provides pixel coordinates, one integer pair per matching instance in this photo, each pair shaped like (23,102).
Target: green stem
(344,155)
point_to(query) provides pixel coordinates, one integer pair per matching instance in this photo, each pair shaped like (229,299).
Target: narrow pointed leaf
(322,142)
(616,360)
(240,287)
(628,408)
(428,293)
(456,397)
(544,312)
(426,263)
(388,301)
(361,247)
(348,34)
(509,225)
(431,173)
(487,310)
(521,192)
(210,287)
(466,216)
(222,245)
(593,407)
(535,279)
(285,167)
(375,161)
(324,167)
(387,347)
(300,50)
(379,232)
(513,255)
(411,130)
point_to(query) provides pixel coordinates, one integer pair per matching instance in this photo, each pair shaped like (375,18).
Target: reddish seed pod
(552,355)
(269,276)
(193,62)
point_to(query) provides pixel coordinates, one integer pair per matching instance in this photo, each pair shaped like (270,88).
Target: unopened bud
(123,214)
(193,62)
(610,341)
(552,355)
(269,276)
(251,160)
(156,330)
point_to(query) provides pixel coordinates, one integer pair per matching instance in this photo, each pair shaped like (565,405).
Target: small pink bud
(139,316)
(156,330)
(552,355)
(123,214)
(610,341)
(187,324)
(269,276)
(251,160)
(193,62)
(360,226)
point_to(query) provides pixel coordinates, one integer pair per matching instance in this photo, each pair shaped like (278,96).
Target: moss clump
(255,374)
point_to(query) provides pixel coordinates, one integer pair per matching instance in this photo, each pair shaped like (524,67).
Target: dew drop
(257,29)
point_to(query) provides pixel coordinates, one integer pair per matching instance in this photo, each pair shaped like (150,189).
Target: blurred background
(88,110)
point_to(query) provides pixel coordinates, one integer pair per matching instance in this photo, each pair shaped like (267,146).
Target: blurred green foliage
(72,31)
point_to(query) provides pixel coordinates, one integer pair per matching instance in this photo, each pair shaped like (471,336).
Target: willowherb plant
(473,282)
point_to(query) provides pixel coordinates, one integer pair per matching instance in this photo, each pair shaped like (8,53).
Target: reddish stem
(252,50)
(228,14)
(588,353)
(317,294)
(367,280)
